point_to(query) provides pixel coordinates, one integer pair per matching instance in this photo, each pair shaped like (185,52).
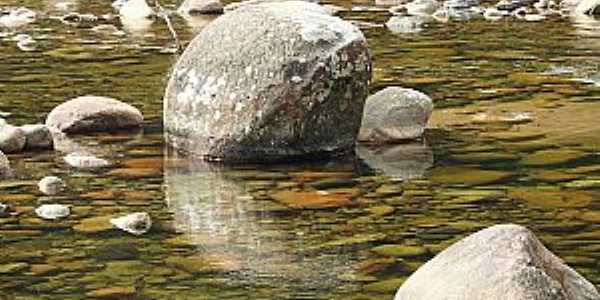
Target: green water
(514,138)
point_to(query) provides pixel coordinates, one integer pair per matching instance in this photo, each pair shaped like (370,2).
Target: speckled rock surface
(201,7)
(289,83)
(12,139)
(37,136)
(93,114)
(500,262)
(395,114)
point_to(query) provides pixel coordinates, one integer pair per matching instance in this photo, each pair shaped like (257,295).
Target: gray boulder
(290,82)
(5,170)
(12,139)
(93,114)
(497,263)
(37,136)
(201,7)
(394,114)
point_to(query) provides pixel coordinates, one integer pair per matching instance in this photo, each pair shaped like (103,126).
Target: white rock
(492,14)
(37,136)
(18,17)
(12,139)
(533,18)
(136,223)
(52,211)
(406,24)
(85,161)
(137,9)
(51,185)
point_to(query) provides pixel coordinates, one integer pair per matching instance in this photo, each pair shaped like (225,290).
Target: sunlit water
(514,138)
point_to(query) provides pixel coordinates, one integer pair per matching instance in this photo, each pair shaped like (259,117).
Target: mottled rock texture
(500,262)
(269,81)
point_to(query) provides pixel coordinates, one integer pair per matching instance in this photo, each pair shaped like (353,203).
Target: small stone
(93,114)
(112,293)
(382,210)
(42,269)
(400,250)
(37,136)
(52,211)
(12,139)
(51,185)
(395,114)
(136,223)
(84,161)
(201,7)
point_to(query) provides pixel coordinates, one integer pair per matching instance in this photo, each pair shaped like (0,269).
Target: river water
(514,138)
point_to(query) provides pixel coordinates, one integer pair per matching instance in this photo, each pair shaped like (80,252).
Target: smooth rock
(84,161)
(201,7)
(395,114)
(136,223)
(52,211)
(136,9)
(5,170)
(116,292)
(500,262)
(12,139)
(247,98)
(92,114)
(406,24)
(37,136)
(51,185)
(17,17)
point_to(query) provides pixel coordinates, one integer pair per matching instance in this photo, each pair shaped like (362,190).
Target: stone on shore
(37,136)
(93,114)
(248,98)
(500,262)
(201,7)
(136,223)
(395,114)
(51,185)
(12,139)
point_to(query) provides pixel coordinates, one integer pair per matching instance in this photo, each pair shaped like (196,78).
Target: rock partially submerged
(37,136)
(51,185)
(395,114)
(136,223)
(500,262)
(201,7)
(52,211)
(93,114)
(85,161)
(134,9)
(248,98)
(12,139)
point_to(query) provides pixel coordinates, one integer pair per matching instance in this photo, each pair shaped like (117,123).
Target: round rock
(395,114)
(12,139)
(500,262)
(93,114)
(37,136)
(136,223)
(51,185)
(52,211)
(289,83)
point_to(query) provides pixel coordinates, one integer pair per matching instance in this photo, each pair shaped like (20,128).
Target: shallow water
(514,138)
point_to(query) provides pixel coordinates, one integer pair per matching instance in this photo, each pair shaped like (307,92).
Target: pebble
(136,223)
(84,161)
(51,185)
(52,211)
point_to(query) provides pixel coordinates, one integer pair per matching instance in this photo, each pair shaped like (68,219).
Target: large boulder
(93,114)
(290,82)
(395,114)
(500,262)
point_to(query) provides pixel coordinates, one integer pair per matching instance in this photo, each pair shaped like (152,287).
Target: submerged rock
(52,211)
(37,136)
(51,185)
(201,7)
(12,139)
(84,161)
(500,262)
(406,24)
(395,114)
(5,170)
(243,100)
(93,114)
(136,223)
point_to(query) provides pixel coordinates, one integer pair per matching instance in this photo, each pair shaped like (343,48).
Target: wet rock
(400,162)
(12,139)
(500,262)
(468,176)
(5,170)
(406,24)
(136,223)
(52,211)
(232,103)
(418,7)
(201,7)
(400,250)
(94,224)
(202,264)
(37,136)
(395,114)
(92,114)
(12,268)
(312,199)
(51,185)
(117,292)
(84,161)
(17,17)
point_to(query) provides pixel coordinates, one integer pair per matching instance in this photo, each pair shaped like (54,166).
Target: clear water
(514,138)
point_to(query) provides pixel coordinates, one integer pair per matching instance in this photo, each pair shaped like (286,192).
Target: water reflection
(399,162)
